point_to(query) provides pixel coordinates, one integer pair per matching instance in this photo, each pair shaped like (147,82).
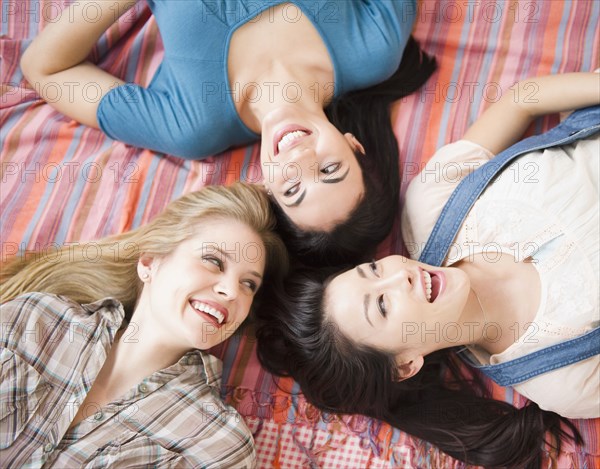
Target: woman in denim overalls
(518,288)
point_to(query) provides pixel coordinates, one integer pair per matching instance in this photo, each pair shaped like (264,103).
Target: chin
(458,285)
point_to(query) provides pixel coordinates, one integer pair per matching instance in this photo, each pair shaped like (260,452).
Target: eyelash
(219,263)
(292,190)
(380,300)
(327,169)
(251,285)
(215,261)
(381,306)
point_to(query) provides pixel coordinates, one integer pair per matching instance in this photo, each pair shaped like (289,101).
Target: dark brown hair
(365,114)
(439,404)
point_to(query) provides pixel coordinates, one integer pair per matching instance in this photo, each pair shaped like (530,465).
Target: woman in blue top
(237,70)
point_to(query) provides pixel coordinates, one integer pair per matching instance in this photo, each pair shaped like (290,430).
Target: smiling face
(200,293)
(310,167)
(390,303)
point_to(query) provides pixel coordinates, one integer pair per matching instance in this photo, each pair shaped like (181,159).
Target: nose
(227,287)
(302,154)
(399,278)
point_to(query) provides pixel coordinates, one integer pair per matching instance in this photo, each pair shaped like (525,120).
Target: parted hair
(113,270)
(366,114)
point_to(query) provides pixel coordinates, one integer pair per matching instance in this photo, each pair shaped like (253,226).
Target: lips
(438,284)
(433,283)
(211,311)
(288,129)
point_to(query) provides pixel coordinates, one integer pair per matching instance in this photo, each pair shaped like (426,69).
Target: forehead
(343,301)
(232,238)
(218,223)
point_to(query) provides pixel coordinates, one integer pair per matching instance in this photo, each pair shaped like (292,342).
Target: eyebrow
(366,308)
(232,259)
(324,181)
(367,299)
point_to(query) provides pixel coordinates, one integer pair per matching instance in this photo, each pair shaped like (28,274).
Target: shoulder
(365,39)
(48,304)
(37,305)
(391,15)
(429,190)
(388,24)
(572,391)
(46,317)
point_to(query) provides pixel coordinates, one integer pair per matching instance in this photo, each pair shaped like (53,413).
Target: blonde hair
(112,271)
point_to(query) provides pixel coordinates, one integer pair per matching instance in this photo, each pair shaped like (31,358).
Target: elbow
(25,64)
(30,67)
(33,66)
(524,95)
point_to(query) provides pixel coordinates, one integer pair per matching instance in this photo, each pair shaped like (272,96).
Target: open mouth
(287,137)
(210,312)
(434,283)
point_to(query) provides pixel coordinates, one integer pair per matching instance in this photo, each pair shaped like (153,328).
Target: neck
(468,329)
(476,314)
(138,351)
(295,69)
(285,86)
(499,300)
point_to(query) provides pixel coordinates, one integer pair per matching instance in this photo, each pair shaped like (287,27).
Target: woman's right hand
(55,63)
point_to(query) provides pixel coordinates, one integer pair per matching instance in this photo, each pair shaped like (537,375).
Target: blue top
(188,108)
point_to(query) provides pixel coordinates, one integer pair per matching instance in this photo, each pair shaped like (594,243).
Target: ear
(265,187)
(354,143)
(145,266)
(409,369)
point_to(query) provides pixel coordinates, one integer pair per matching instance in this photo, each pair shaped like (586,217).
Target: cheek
(272,178)
(263,169)
(244,308)
(268,165)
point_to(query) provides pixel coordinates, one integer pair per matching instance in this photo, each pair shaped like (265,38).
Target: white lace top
(545,207)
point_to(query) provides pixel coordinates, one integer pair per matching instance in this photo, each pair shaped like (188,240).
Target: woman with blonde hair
(105,364)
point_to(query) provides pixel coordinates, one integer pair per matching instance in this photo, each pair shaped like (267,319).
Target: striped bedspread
(62,182)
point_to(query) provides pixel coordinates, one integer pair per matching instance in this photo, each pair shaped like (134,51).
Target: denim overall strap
(541,361)
(580,124)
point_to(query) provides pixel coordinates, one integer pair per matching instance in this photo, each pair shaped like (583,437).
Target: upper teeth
(289,138)
(427,279)
(199,306)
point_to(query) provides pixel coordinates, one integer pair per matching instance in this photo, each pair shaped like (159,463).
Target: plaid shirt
(51,352)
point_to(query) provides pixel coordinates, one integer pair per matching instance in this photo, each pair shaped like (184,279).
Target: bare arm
(54,64)
(504,122)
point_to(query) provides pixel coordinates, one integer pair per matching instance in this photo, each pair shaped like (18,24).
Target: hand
(56,59)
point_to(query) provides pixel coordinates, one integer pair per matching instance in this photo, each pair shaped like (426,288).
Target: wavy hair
(439,404)
(365,114)
(70,271)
